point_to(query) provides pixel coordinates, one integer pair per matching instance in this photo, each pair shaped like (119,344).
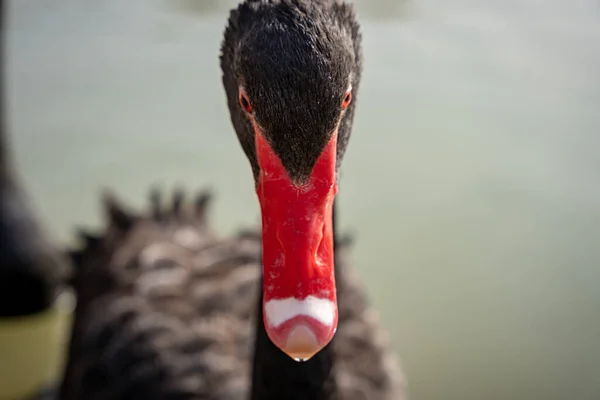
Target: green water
(472,178)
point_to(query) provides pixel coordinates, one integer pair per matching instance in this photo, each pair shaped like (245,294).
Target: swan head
(291,71)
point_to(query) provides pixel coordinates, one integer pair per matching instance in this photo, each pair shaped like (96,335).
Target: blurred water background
(472,179)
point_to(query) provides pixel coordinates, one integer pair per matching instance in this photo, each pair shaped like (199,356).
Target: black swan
(167,310)
(33,311)
(32,272)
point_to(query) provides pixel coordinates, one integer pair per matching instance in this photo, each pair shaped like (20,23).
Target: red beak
(299,294)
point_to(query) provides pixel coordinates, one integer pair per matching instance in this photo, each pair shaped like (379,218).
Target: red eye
(244,102)
(347,100)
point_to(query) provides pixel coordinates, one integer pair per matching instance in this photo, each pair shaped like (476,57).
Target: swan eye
(347,99)
(244,102)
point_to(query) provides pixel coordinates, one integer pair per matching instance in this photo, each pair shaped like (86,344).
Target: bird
(33,290)
(168,309)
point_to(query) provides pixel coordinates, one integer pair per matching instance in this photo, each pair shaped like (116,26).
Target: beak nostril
(321,253)
(279,239)
(280,258)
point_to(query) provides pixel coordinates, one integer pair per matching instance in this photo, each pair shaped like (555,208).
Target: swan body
(167,309)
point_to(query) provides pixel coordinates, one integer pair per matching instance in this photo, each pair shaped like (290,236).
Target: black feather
(118,217)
